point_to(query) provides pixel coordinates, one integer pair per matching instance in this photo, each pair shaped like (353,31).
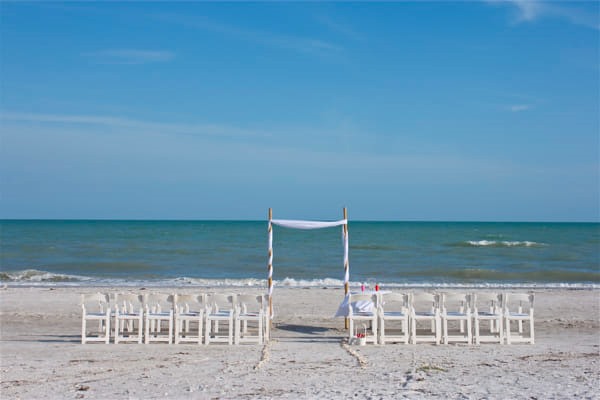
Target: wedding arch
(297,224)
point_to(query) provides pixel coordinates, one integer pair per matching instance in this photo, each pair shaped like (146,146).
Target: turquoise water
(164,253)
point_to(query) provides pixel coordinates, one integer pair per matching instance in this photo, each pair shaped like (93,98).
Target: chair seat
(391,314)
(160,314)
(456,314)
(221,314)
(95,315)
(125,315)
(249,315)
(517,315)
(424,314)
(189,314)
(363,315)
(488,314)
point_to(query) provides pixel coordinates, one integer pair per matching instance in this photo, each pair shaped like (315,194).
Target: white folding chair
(393,307)
(425,307)
(249,319)
(189,317)
(488,307)
(129,314)
(95,307)
(220,308)
(519,308)
(456,307)
(158,312)
(363,308)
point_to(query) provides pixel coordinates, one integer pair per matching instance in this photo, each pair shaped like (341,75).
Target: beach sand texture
(41,356)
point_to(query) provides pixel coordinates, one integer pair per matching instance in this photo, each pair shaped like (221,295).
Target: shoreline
(396,287)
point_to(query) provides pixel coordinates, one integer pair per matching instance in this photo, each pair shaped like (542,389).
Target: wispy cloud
(339,27)
(139,125)
(288,42)
(533,10)
(129,56)
(519,107)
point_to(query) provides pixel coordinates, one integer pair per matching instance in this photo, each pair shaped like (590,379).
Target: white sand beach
(41,356)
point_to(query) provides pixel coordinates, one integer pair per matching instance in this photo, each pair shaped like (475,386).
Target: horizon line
(266,220)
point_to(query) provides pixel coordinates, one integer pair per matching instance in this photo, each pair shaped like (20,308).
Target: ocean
(234,253)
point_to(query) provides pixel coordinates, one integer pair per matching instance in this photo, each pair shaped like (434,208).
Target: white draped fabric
(290,223)
(296,224)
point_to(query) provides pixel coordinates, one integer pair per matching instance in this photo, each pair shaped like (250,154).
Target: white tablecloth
(357,306)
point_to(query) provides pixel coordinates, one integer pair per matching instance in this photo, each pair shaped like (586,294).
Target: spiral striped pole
(346,261)
(270,265)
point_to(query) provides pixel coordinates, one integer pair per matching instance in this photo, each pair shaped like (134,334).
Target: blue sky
(399,111)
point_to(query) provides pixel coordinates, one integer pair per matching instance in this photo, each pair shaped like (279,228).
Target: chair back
(250,303)
(364,297)
(486,302)
(455,302)
(518,302)
(424,301)
(128,303)
(158,302)
(362,303)
(394,301)
(97,302)
(218,301)
(185,303)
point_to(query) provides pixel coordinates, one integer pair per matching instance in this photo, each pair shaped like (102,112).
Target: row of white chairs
(175,318)
(466,314)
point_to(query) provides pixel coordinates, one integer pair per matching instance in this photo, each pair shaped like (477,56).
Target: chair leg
(469,331)
(147,331)
(200,331)
(375,331)
(444,330)
(520,323)
(531,331)
(237,332)
(107,339)
(207,332)
(178,323)
(116,330)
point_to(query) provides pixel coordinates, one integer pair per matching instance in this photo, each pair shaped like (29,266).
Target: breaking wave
(33,277)
(500,243)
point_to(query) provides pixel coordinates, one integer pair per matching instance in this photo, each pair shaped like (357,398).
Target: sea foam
(503,243)
(39,278)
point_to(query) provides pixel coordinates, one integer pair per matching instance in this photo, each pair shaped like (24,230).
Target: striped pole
(346,261)
(270,265)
